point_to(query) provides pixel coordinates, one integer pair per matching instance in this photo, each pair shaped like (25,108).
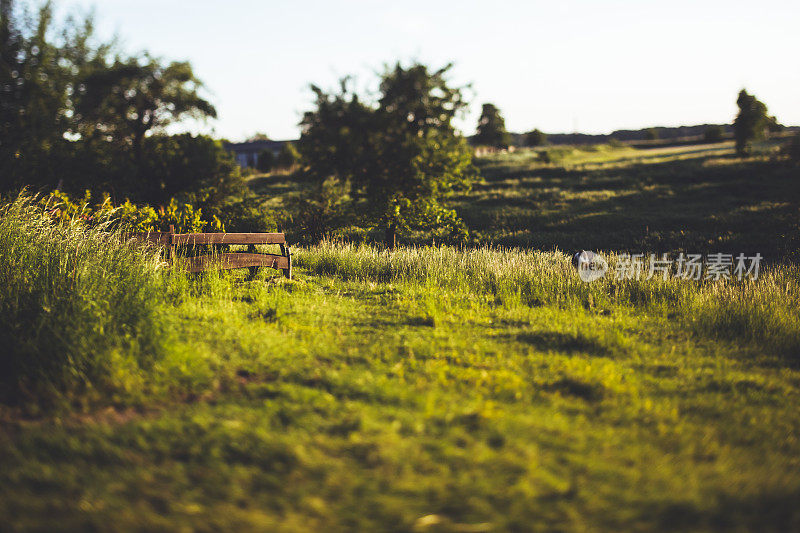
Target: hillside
(439,388)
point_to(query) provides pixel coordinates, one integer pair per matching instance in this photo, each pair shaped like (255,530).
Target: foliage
(259,136)
(196,167)
(535,138)
(124,101)
(184,217)
(491,130)
(751,122)
(401,156)
(127,216)
(244,215)
(319,210)
(39,69)
(76,112)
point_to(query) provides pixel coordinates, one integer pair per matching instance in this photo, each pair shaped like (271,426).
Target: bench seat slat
(228,238)
(234,260)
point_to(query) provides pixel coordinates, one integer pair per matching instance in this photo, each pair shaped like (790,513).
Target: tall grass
(78,305)
(765,311)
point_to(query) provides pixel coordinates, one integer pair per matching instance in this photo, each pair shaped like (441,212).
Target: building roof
(255,146)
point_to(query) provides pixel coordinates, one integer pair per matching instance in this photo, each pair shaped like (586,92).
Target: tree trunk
(391,236)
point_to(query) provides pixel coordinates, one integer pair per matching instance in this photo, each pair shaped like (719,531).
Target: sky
(560,66)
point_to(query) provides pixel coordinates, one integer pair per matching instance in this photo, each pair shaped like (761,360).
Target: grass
(78,305)
(697,199)
(433,389)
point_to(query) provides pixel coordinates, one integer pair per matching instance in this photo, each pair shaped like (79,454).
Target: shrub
(320,210)
(535,138)
(185,217)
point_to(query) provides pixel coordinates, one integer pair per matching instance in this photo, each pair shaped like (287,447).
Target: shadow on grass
(697,205)
(771,511)
(562,342)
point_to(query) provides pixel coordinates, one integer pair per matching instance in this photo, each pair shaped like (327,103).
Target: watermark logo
(591,266)
(714,267)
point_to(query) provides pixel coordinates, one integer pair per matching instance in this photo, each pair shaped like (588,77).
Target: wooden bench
(227,260)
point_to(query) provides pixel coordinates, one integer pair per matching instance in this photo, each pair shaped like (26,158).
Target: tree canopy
(401,154)
(491,130)
(751,123)
(76,112)
(535,138)
(131,97)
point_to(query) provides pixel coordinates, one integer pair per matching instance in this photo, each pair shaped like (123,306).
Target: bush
(320,210)
(197,169)
(535,138)
(185,217)
(78,303)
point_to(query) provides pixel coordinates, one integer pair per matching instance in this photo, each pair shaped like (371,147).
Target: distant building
(246,153)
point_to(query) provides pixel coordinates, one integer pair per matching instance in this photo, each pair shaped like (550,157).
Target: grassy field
(429,389)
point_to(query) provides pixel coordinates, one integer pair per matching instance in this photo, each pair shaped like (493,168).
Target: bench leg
(253,270)
(285,251)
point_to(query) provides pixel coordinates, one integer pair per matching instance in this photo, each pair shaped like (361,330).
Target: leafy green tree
(491,129)
(134,96)
(39,62)
(401,154)
(535,138)
(197,169)
(258,136)
(751,123)
(321,209)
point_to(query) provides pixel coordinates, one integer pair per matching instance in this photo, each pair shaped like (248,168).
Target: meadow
(483,387)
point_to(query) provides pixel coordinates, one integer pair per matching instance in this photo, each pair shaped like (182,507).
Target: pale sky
(557,66)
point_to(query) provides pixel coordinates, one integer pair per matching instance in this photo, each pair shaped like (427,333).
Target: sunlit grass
(431,388)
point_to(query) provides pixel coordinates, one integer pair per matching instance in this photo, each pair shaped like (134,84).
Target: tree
(134,96)
(491,129)
(320,209)
(751,123)
(195,168)
(39,63)
(401,154)
(258,136)
(535,138)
